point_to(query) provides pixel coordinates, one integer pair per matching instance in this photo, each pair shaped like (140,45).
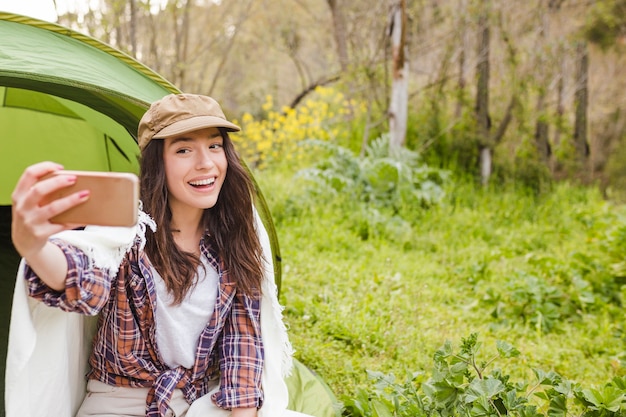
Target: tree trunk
(339,33)
(462,81)
(542,141)
(485,164)
(504,123)
(581,102)
(341,41)
(181,37)
(154,54)
(482,100)
(242,17)
(292,43)
(132,31)
(555,165)
(398,107)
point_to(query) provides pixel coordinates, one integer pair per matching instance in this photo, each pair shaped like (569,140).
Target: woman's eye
(182,151)
(216,146)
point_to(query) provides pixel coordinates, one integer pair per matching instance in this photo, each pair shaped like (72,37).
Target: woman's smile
(195,169)
(203,183)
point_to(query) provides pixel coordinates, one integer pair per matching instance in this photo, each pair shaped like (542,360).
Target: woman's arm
(50,265)
(87,288)
(241,357)
(31,226)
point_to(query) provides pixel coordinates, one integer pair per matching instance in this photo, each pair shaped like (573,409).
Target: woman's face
(195,169)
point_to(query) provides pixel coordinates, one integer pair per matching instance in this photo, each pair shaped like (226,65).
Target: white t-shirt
(178,327)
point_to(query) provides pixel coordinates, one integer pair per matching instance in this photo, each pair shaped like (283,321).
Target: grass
(386,301)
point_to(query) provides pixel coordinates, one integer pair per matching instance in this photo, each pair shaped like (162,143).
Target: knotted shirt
(125,352)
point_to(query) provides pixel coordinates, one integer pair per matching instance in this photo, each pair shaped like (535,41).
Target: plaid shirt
(125,352)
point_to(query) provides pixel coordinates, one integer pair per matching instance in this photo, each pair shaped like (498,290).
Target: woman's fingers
(32,208)
(54,207)
(31,176)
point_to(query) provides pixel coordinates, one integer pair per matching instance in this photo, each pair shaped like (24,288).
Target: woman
(180,316)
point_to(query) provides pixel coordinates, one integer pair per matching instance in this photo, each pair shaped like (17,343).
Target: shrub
(463,385)
(275,138)
(387,178)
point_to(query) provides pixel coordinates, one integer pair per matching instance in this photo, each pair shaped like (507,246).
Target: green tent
(69,98)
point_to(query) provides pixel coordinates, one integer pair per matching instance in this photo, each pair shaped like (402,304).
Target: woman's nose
(205,159)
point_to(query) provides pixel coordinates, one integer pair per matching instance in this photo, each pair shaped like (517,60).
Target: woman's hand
(31,226)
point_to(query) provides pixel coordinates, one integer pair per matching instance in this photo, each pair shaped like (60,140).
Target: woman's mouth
(202,183)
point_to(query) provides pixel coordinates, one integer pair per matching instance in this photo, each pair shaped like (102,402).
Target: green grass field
(539,272)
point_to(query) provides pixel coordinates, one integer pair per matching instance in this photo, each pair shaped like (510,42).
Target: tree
(606,25)
(398,106)
(581,143)
(483,121)
(339,32)
(486,140)
(542,130)
(133,27)
(463,66)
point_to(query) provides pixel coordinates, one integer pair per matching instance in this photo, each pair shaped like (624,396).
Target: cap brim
(195,123)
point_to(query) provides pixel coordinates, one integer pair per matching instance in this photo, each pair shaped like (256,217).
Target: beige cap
(176,114)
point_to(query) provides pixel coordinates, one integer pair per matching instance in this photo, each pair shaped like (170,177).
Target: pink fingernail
(71,179)
(83,194)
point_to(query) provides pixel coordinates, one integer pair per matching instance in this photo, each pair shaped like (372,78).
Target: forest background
(495,215)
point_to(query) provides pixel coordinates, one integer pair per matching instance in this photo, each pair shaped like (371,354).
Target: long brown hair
(230,224)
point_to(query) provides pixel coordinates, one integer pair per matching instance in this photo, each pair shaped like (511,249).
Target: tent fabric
(309,394)
(68,64)
(34,124)
(70,98)
(108,88)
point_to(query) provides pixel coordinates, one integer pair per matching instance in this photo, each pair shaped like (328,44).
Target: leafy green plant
(532,300)
(549,291)
(463,385)
(386,177)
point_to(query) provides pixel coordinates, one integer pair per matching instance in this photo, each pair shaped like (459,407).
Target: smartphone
(113,198)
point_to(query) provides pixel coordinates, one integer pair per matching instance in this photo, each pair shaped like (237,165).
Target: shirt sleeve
(241,357)
(87,288)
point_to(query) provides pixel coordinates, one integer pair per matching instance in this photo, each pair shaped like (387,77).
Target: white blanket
(49,348)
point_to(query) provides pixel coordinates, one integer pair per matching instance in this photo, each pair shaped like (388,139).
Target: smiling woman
(189,314)
(64,76)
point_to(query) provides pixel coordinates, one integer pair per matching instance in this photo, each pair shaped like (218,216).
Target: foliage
(461,386)
(606,23)
(385,303)
(444,141)
(275,137)
(386,179)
